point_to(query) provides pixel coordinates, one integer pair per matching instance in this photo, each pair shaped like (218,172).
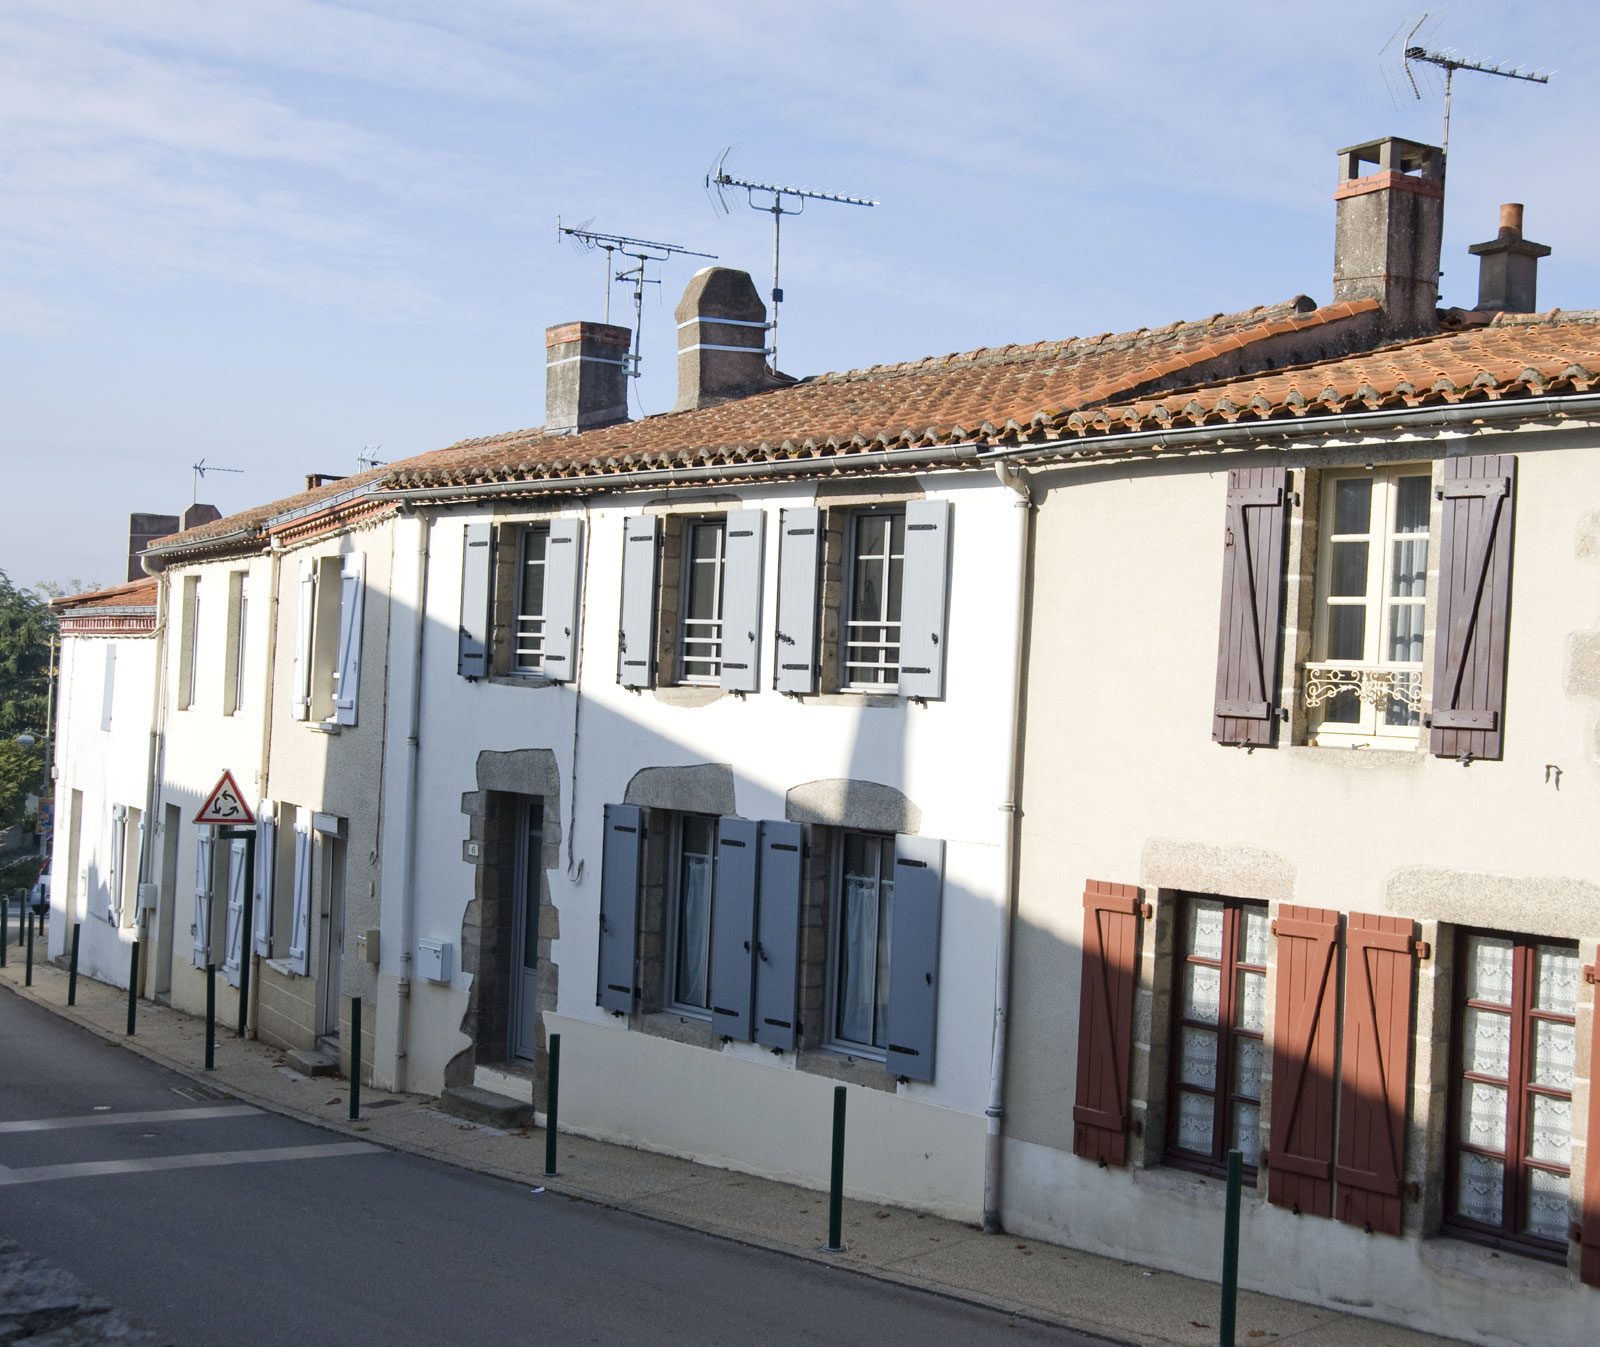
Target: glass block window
(1219,1020)
(1511,1123)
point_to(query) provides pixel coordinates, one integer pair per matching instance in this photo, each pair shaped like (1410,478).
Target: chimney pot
(722,339)
(586,376)
(1388,232)
(1508,267)
(1511,220)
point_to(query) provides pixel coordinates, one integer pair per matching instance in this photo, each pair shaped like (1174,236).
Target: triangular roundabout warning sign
(226,804)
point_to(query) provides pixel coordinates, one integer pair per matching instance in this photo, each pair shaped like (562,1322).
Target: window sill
(531,679)
(1504,1269)
(1364,759)
(857,697)
(689,694)
(284,967)
(324,726)
(841,1064)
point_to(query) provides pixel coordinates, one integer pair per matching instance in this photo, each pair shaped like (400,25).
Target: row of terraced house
(1099,755)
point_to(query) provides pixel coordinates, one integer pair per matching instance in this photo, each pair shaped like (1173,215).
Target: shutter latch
(1588,973)
(1422,949)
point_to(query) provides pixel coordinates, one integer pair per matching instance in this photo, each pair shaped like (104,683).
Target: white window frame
(675,912)
(711,637)
(527,629)
(189,651)
(1375,680)
(885,843)
(851,621)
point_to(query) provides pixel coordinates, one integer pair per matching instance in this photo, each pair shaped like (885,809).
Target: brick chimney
(585,376)
(722,338)
(1508,266)
(144,529)
(197,515)
(1389,227)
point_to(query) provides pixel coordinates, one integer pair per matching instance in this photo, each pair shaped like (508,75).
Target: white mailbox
(148,893)
(436,960)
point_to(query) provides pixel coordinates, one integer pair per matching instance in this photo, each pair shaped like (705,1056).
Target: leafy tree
(25,628)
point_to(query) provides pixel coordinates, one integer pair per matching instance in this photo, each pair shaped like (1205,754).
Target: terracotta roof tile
(135,594)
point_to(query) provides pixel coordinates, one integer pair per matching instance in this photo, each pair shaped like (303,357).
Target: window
(863,926)
(872,622)
(1219,1019)
(238,622)
(700,638)
(1511,1130)
(189,651)
(1372,585)
(527,655)
(327,641)
(693,911)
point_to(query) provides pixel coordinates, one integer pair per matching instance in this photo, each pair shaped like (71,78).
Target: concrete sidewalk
(1038,1281)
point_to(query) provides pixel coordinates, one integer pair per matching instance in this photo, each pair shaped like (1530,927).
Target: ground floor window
(864,919)
(1511,1125)
(1219,1022)
(694,902)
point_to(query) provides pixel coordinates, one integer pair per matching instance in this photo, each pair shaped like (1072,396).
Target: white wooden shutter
(563,565)
(743,548)
(620,853)
(111,686)
(794,659)
(733,926)
(119,843)
(477,566)
(636,644)
(922,598)
(201,930)
(914,956)
(347,671)
(266,874)
(300,928)
(305,611)
(233,937)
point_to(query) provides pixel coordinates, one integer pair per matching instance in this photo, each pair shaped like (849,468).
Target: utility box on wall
(367,946)
(436,960)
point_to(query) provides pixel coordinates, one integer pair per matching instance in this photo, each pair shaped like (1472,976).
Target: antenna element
(200,470)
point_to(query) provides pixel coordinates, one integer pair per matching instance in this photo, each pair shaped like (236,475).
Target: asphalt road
(213,1222)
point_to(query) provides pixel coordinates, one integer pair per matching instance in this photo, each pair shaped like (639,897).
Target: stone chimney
(144,529)
(722,338)
(1508,267)
(197,515)
(585,376)
(1388,233)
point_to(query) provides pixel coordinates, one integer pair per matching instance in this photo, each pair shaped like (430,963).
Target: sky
(269,234)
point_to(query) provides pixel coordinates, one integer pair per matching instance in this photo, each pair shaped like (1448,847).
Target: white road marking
(115,1119)
(90,1169)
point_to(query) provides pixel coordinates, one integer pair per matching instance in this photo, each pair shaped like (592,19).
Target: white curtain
(858,939)
(694,931)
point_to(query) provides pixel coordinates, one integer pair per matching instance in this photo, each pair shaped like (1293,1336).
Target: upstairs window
(872,622)
(189,651)
(1372,588)
(528,650)
(700,636)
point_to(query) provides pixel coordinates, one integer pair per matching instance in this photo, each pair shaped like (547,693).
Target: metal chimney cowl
(722,338)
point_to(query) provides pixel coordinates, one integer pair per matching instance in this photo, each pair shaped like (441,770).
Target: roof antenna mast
(773,198)
(643,252)
(200,470)
(1412,49)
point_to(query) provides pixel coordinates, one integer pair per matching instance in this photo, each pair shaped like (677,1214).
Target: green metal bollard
(5,928)
(72,969)
(133,984)
(355,1058)
(1230,1251)
(22,910)
(211,1016)
(836,1181)
(552,1097)
(27,980)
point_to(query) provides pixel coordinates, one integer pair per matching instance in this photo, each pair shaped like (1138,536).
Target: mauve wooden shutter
(794,663)
(1305,1034)
(733,926)
(477,566)
(777,1006)
(743,550)
(636,634)
(1105,1021)
(914,956)
(1246,709)
(620,853)
(563,567)
(1469,652)
(1374,1070)
(1589,1230)
(923,594)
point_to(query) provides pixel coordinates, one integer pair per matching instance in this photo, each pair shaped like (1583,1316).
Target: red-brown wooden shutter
(1105,1021)
(1300,1156)
(1374,1070)
(1469,656)
(1246,710)
(1589,1231)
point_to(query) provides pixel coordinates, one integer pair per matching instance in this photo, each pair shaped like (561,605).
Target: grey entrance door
(525,927)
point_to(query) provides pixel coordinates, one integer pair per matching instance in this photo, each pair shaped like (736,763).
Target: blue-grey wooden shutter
(636,636)
(305,608)
(778,935)
(347,665)
(733,926)
(563,564)
(743,550)
(914,956)
(233,939)
(794,658)
(477,566)
(266,875)
(620,854)
(922,598)
(201,929)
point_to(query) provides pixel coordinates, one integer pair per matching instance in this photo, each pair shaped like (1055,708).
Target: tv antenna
(644,252)
(200,470)
(1413,49)
(368,458)
(770,197)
